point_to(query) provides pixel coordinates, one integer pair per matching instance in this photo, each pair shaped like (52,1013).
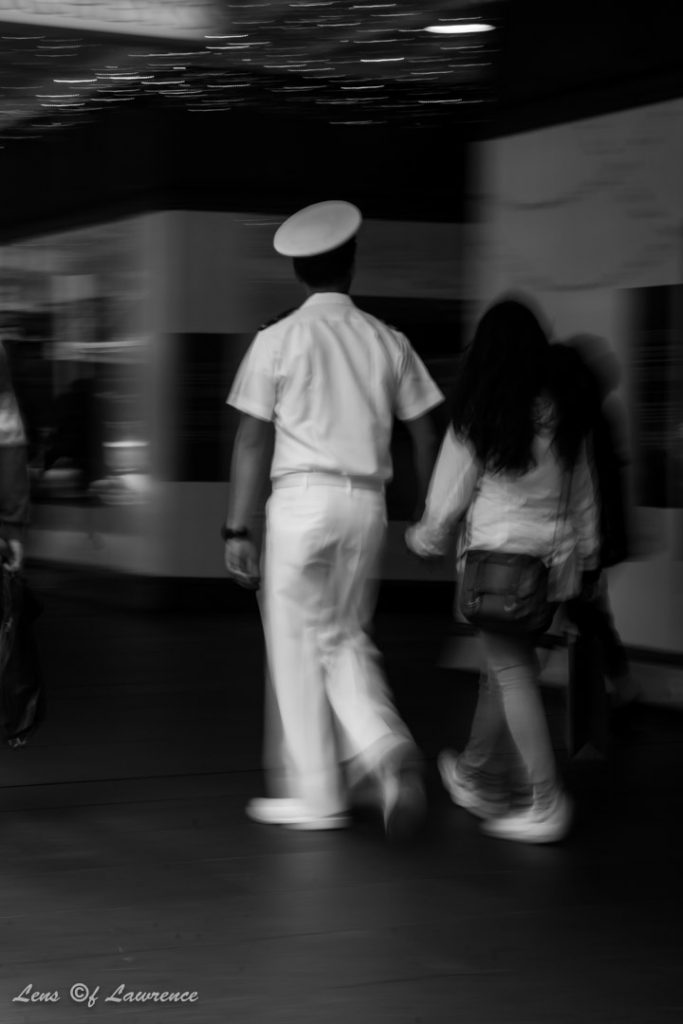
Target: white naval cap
(317,229)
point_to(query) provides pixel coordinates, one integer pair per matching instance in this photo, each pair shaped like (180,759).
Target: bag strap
(564,498)
(467,537)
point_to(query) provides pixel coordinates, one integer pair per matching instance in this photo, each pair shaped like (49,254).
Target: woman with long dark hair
(512,465)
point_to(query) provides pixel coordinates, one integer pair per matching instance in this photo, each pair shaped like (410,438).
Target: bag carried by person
(506,592)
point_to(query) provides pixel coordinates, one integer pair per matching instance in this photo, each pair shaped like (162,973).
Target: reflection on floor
(127,860)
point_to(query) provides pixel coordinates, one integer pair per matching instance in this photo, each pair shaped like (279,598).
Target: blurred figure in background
(20,684)
(79,432)
(512,463)
(327,380)
(14,481)
(585,377)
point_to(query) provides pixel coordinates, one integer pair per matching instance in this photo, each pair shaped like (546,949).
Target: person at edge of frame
(22,698)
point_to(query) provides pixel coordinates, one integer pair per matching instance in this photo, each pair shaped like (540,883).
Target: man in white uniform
(329,379)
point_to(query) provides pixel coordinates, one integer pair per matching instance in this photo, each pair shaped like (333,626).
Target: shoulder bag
(507,592)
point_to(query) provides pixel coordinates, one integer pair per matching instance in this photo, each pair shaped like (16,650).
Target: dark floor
(127,860)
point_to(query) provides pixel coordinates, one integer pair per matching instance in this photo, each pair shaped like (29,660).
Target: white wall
(574,215)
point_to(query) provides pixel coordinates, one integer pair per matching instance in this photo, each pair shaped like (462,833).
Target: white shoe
(465,793)
(403,801)
(540,823)
(293,814)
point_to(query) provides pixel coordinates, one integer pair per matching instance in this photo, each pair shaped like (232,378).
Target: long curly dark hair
(503,374)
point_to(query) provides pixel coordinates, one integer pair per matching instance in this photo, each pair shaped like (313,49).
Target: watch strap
(242,533)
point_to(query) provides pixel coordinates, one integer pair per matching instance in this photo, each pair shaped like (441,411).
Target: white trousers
(326,698)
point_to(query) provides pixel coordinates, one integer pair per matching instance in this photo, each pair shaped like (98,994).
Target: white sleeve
(254,389)
(417,393)
(450,493)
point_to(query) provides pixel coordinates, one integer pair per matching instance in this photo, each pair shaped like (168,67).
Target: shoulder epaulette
(276,319)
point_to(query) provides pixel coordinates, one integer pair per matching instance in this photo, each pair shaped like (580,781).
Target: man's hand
(242,563)
(416,546)
(251,459)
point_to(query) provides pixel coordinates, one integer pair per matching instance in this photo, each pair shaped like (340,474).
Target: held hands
(242,562)
(410,540)
(415,543)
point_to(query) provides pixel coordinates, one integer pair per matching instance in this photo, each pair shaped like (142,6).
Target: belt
(328,480)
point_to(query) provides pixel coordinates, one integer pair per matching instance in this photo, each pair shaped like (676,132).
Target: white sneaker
(466,793)
(540,823)
(403,801)
(293,814)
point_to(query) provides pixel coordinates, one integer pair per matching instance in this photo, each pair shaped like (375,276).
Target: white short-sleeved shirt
(332,378)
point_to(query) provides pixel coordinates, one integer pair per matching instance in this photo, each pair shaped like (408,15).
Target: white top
(536,513)
(332,378)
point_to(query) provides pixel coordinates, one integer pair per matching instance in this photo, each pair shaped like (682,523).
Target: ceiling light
(460,28)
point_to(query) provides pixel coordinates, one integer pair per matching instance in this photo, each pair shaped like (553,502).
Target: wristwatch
(240,534)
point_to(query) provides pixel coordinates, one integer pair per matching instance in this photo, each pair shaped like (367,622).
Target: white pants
(327,700)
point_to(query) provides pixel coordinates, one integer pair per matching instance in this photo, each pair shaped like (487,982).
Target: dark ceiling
(285,100)
(351,61)
(334,61)
(579,58)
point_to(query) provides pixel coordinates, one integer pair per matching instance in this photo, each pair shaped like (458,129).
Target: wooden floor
(126,860)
